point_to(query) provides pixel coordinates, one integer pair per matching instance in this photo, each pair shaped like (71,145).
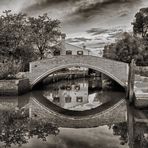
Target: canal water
(72,114)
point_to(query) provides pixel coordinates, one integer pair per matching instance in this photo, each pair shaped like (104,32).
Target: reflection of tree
(145,141)
(140,138)
(17,128)
(121,129)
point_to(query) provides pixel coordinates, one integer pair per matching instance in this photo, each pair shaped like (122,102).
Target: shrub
(9,69)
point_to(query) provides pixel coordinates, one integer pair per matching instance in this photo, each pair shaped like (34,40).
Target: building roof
(74,47)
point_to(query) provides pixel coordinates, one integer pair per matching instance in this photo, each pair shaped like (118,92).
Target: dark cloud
(42,4)
(111,32)
(88,5)
(96,31)
(78,39)
(45,3)
(80,6)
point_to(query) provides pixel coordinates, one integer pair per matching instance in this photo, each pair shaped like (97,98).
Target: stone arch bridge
(39,70)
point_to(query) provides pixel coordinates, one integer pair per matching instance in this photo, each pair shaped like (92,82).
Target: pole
(101,80)
(131,79)
(131,126)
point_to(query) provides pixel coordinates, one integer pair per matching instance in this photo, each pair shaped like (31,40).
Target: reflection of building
(70,96)
(80,94)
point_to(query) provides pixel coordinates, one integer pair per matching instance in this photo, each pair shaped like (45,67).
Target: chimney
(63,48)
(63,36)
(84,46)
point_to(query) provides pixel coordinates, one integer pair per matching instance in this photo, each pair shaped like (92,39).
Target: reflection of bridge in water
(106,114)
(121,72)
(128,124)
(39,108)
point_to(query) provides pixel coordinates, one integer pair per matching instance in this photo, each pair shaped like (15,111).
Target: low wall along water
(14,87)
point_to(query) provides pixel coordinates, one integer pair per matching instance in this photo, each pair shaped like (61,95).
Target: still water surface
(72,114)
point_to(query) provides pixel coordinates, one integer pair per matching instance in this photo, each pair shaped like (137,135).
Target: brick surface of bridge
(39,70)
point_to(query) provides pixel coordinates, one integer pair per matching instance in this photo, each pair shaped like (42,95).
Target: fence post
(131,79)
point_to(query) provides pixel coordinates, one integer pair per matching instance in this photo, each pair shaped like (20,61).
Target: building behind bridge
(69,49)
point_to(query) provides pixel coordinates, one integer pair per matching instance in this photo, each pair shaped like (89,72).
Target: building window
(68,88)
(56,53)
(79,52)
(77,87)
(56,99)
(68,52)
(63,87)
(79,99)
(77,67)
(68,99)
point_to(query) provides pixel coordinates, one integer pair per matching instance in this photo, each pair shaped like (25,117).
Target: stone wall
(14,87)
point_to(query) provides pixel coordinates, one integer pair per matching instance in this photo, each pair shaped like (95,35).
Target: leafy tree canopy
(24,37)
(132,46)
(128,48)
(140,25)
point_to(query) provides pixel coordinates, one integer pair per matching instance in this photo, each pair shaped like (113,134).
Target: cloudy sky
(93,22)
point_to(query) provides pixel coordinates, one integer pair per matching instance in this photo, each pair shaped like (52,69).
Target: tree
(140,25)
(44,33)
(124,49)
(24,39)
(22,34)
(9,68)
(14,37)
(121,129)
(132,46)
(127,48)
(16,128)
(13,31)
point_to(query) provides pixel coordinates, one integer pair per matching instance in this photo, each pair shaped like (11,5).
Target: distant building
(69,49)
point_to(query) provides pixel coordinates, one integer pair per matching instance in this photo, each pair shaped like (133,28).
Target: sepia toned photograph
(73,73)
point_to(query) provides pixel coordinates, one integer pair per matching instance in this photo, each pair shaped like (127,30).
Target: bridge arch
(117,71)
(44,75)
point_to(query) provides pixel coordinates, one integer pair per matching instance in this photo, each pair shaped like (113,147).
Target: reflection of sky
(95,22)
(100,137)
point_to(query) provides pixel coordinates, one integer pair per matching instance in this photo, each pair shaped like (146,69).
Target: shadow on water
(35,120)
